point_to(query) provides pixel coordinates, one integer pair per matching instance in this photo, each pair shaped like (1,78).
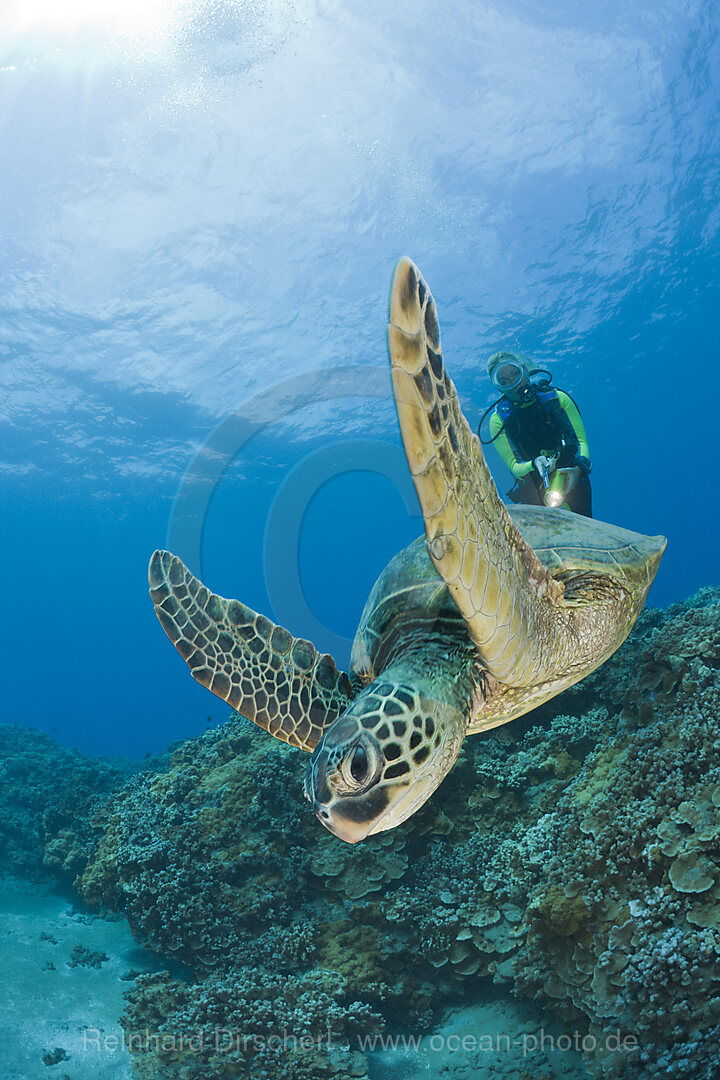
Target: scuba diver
(540,436)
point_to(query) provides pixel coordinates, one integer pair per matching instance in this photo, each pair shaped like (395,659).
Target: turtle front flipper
(511,604)
(281,683)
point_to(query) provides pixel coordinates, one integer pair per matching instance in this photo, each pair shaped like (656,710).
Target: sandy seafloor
(490,1022)
(59,1019)
(47,1006)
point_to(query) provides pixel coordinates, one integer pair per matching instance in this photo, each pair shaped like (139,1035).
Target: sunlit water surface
(201,204)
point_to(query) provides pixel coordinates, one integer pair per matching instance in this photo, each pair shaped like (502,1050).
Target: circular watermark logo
(282,528)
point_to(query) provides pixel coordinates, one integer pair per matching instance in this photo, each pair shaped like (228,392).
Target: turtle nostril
(322,813)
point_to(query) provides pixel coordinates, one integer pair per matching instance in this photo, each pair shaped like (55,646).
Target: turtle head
(379,762)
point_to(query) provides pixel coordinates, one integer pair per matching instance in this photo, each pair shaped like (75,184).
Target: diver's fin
(508,599)
(281,683)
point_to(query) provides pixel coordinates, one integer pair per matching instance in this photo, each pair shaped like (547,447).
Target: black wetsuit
(546,423)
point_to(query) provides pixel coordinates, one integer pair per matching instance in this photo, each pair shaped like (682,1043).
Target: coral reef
(621,877)
(573,860)
(47,797)
(248,1022)
(217,864)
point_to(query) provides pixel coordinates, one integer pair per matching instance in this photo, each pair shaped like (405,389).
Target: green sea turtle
(492,612)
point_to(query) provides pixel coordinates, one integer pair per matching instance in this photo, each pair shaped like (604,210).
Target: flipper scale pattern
(281,683)
(510,602)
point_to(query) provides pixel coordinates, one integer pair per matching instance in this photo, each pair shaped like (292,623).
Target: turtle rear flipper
(510,602)
(281,683)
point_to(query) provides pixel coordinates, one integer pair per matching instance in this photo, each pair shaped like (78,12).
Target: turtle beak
(352,832)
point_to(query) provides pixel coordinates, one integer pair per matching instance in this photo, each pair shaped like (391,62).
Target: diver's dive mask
(508,374)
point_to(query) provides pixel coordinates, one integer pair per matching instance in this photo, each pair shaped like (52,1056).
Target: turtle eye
(359,764)
(358,769)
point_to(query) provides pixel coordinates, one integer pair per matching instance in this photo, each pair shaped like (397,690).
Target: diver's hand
(544,464)
(583,463)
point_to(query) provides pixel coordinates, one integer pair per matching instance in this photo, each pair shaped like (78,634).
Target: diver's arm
(572,412)
(505,450)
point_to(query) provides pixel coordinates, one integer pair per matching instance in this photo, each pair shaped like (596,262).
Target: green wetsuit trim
(522,468)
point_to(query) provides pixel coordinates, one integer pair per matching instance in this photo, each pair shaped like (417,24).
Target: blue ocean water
(201,207)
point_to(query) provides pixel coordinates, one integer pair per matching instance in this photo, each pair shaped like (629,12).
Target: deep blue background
(194,215)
